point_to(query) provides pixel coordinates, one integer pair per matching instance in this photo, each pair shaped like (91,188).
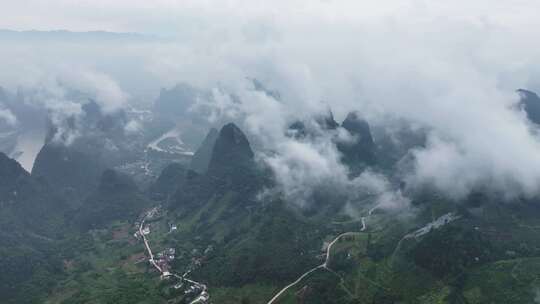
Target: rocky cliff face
(201,159)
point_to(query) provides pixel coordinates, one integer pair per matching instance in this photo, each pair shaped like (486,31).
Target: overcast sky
(179,17)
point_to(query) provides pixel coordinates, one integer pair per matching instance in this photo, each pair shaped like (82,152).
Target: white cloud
(8,117)
(53,95)
(302,167)
(386,196)
(132,127)
(101,87)
(451,67)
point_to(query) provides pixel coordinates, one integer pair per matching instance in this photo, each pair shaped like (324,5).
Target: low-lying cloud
(100,87)
(450,68)
(60,91)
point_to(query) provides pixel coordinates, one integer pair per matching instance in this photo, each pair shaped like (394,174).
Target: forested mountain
(221,222)
(32,219)
(77,151)
(116,198)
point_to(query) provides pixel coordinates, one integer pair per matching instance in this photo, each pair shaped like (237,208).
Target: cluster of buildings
(166,255)
(145,231)
(199,290)
(163,259)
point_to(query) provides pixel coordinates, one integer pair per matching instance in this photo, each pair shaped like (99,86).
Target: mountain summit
(313,126)
(530,102)
(231,150)
(231,168)
(362,147)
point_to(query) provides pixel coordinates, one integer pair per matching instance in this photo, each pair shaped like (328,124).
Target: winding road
(322,266)
(364,218)
(327,259)
(294,283)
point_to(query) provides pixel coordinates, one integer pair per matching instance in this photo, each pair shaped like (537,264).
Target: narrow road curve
(364,218)
(293,283)
(322,266)
(327,259)
(364,226)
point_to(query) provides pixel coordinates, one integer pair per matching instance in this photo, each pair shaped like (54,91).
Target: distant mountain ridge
(65,35)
